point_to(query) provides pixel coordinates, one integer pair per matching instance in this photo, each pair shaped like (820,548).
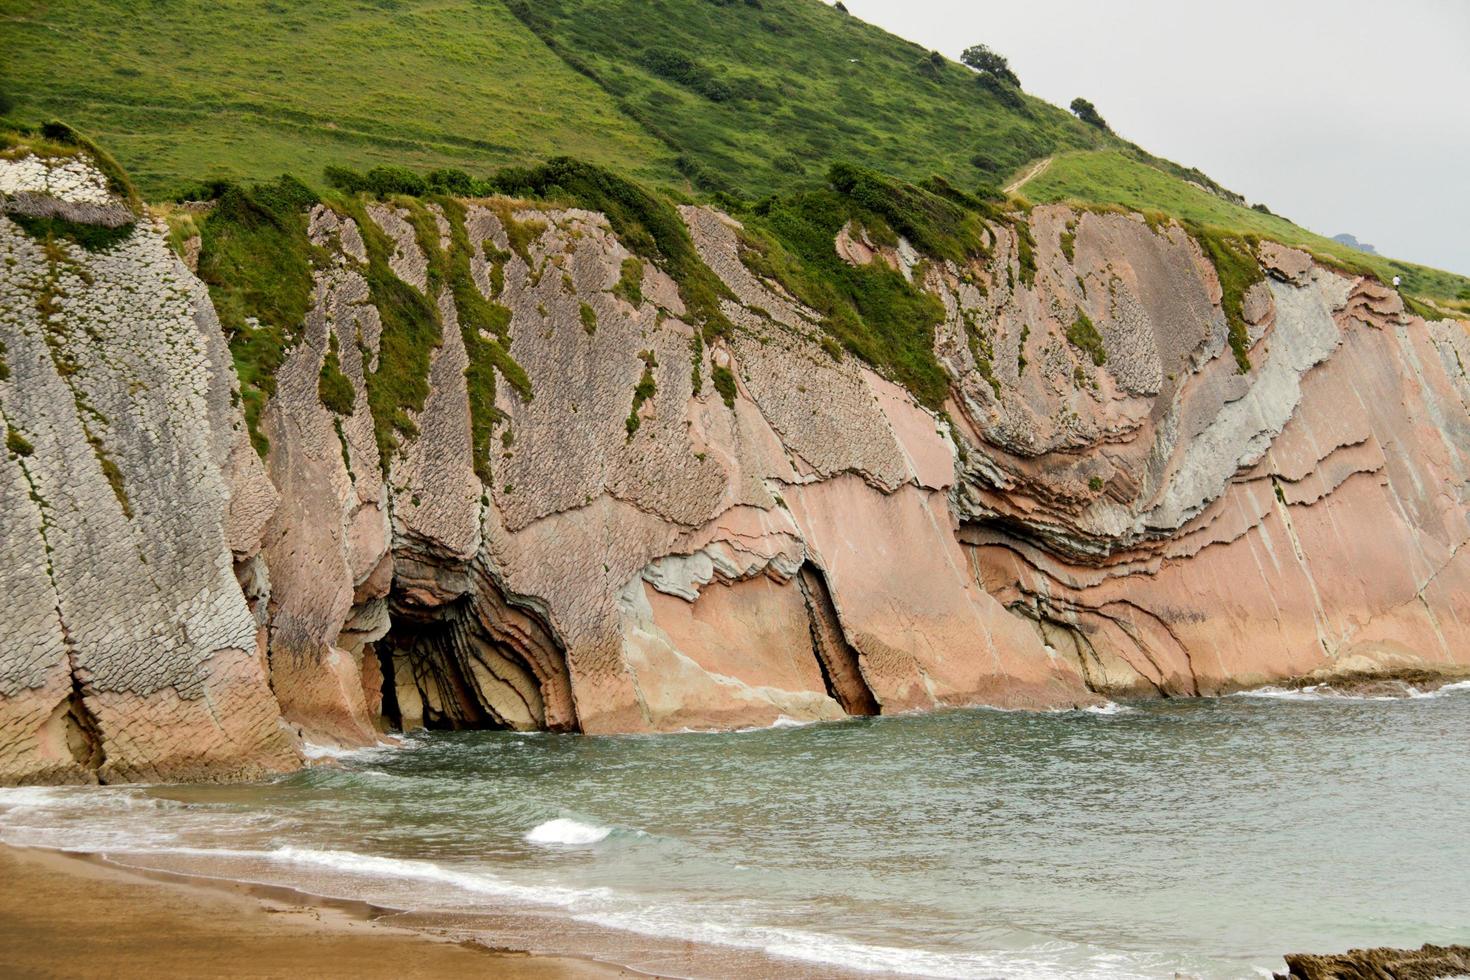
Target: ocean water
(1204,838)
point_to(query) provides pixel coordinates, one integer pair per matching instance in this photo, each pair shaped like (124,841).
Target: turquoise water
(1205,837)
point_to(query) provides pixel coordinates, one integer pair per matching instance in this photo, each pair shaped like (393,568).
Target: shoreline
(74,914)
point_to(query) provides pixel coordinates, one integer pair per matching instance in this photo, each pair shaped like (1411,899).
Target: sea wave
(1109,708)
(316,752)
(1326,692)
(34,796)
(566,832)
(1046,961)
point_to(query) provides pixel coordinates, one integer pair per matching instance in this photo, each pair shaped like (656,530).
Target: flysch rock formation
(817,546)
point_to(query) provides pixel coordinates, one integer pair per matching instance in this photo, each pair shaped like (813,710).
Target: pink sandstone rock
(1159,523)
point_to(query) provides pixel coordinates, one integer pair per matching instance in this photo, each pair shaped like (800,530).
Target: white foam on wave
(479,883)
(1108,708)
(606,908)
(1326,692)
(316,752)
(1047,961)
(352,865)
(781,721)
(566,832)
(34,796)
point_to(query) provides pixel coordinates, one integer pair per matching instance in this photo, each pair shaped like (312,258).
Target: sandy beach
(73,916)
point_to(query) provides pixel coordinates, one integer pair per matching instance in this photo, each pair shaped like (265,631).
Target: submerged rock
(1382,963)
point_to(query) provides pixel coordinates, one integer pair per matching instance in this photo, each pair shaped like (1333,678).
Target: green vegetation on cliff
(257,261)
(795,116)
(1112,178)
(871,310)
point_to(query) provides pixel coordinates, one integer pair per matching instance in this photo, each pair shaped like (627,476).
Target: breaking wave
(566,832)
(1326,692)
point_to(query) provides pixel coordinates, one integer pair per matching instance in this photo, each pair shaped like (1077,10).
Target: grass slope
(1111,178)
(750,97)
(761,96)
(182,90)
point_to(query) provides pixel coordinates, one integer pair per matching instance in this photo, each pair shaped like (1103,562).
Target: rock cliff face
(1106,508)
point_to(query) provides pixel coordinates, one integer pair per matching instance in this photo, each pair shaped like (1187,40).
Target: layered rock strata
(1130,517)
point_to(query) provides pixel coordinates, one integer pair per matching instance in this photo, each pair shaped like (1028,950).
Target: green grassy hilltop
(181,90)
(744,98)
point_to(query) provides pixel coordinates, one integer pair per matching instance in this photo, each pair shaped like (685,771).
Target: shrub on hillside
(452,180)
(344,179)
(990,64)
(683,70)
(932,65)
(395,180)
(1087,112)
(1005,93)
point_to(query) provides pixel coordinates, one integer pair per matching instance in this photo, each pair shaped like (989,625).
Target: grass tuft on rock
(17,443)
(724,381)
(332,386)
(629,287)
(257,261)
(1084,336)
(642,392)
(1235,262)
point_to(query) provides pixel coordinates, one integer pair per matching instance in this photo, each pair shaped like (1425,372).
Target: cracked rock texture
(1158,524)
(128,650)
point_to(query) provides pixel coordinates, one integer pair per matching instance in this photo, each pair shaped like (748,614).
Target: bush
(450,180)
(383,181)
(990,64)
(332,386)
(257,261)
(645,389)
(344,179)
(1005,93)
(7,103)
(1235,263)
(1087,112)
(932,65)
(684,70)
(939,220)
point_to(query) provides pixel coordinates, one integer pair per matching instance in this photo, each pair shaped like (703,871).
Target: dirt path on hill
(1036,171)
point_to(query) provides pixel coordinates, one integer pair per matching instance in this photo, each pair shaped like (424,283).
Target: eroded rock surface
(1139,518)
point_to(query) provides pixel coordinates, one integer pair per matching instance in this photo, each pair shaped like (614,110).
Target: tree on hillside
(1087,112)
(990,64)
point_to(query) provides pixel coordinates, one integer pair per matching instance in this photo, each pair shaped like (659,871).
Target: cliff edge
(578,508)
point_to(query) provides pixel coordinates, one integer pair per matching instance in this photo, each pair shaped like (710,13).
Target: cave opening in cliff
(476,662)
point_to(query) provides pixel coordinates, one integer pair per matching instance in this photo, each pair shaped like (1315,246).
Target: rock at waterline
(1382,963)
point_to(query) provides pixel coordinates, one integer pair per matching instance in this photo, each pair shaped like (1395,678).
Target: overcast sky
(1344,116)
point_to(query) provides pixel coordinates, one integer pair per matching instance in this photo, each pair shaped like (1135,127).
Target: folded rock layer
(1124,516)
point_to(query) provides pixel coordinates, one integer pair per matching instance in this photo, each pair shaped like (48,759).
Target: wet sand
(73,916)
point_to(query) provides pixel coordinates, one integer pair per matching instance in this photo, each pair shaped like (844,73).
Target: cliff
(1147,476)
